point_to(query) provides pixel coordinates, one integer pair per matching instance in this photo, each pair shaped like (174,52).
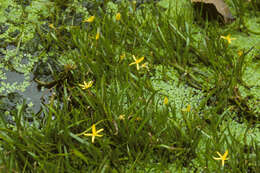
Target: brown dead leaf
(221,7)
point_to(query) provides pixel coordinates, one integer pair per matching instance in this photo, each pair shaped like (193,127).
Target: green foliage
(207,83)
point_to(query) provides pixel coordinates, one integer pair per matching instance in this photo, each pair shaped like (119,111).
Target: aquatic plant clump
(129,86)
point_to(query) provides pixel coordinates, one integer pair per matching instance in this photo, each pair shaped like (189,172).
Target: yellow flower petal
(219,154)
(144,65)
(225,154)
(217,158)
(93,139)
(51,26)
(121,117)
(138,118)
(99,135)
(187,109)
(122,56)
(97,35)
(139,60)
(88,134)
(90,19)
(166,100)
(118,16)
(100,130)
(240,53)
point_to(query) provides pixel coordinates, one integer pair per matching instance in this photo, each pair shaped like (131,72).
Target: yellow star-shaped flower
(240,53)
(145,65)
(121,117)
(86,85)
(228,38)
(94,133)
(122,56)
(51,26)
(118,16)
(166,100)
(97,35)
(137,62)
(222,158)
(187,109)
(90,19)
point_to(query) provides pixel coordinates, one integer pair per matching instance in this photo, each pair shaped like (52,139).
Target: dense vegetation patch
(128,86)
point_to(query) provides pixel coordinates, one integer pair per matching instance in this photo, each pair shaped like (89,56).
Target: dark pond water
(32,94)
